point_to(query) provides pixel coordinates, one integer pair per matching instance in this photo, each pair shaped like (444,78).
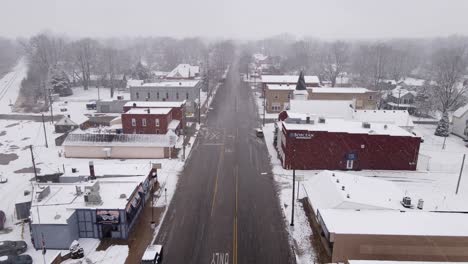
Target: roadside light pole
(294,183)
(264,105)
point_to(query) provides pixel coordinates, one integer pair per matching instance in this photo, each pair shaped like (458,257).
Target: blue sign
(351,156)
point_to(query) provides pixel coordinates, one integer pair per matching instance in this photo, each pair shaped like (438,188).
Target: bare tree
(85,52)
(448,66)
(335,60)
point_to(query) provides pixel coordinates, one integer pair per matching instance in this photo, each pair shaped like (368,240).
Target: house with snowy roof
(400,99)
(184,71)
(65,124)
(460,122)
(363,97)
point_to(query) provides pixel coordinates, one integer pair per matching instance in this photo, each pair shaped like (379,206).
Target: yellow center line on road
(220,162)
(234,250)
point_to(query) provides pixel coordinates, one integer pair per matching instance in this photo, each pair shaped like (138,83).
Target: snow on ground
(75,105)
(301,231)
(10,85)
(116,254)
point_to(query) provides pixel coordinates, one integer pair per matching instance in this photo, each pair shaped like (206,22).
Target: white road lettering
(220,258)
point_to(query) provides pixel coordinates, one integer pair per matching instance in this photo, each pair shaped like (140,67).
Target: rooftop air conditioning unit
(406,202)
(420,204)
(321,120)
(366,125)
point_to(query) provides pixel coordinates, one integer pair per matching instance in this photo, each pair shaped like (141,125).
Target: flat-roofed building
(394,235)
(363,97)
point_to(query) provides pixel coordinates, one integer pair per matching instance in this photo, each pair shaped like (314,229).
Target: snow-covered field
(436,177)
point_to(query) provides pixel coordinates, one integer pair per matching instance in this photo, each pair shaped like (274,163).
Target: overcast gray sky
(236,18)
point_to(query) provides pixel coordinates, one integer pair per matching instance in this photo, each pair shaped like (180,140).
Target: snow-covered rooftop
(461,111)
(142,140)
(146,111)
(394,222)
(325,191)
(400,118)
(324,108)
(400,92)
(351,127)
(65,121)
(290,87)
(184,71)
(133,82)
(398,262)
(61,202)
(412,82)
(289,79)
(173,124)
(178,83)
(155,104)
(345,90)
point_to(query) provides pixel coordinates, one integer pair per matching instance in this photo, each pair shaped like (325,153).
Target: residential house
(400,99)
(65,124)
(364,98)
(184,71)
(460,122)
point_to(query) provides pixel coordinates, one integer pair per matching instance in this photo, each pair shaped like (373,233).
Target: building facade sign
(107,216)
(301,135)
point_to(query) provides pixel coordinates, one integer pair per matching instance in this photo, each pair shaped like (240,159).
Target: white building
(120,146)
(460,122)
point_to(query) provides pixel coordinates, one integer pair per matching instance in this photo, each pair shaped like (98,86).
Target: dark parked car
(12,247)
(21,259)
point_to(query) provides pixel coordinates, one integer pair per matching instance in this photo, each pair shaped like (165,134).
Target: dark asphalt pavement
(225,209)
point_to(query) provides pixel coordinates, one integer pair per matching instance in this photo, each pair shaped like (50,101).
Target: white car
(153,255)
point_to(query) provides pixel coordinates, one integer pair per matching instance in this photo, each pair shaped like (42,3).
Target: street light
(294,182)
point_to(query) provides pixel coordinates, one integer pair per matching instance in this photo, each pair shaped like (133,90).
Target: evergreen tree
(60,83)
(442,129)
(140,72)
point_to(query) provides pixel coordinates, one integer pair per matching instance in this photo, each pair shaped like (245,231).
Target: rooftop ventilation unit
(406,202)
(321,120)
(366,125)
(420,204)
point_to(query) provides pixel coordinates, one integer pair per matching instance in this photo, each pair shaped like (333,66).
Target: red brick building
(336,144)
(153,117)
(149,121)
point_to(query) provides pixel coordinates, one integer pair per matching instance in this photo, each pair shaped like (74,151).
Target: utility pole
(199,105)
(51,108)
(33,162)
(45,132)
(185,132)
(294,183)
(461,172)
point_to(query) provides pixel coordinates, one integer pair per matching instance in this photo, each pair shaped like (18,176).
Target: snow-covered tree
(60,82)
(442,129)
(140,72)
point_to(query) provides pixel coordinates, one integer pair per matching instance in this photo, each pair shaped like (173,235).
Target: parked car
(259,132)
(2,219)
(12,247)
(153,255)
(91,106)
(11,259)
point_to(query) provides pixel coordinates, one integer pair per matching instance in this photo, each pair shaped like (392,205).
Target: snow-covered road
(10,86)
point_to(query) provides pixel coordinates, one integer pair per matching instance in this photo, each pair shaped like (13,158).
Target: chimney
(148,110)
(92,176)
(134,104)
